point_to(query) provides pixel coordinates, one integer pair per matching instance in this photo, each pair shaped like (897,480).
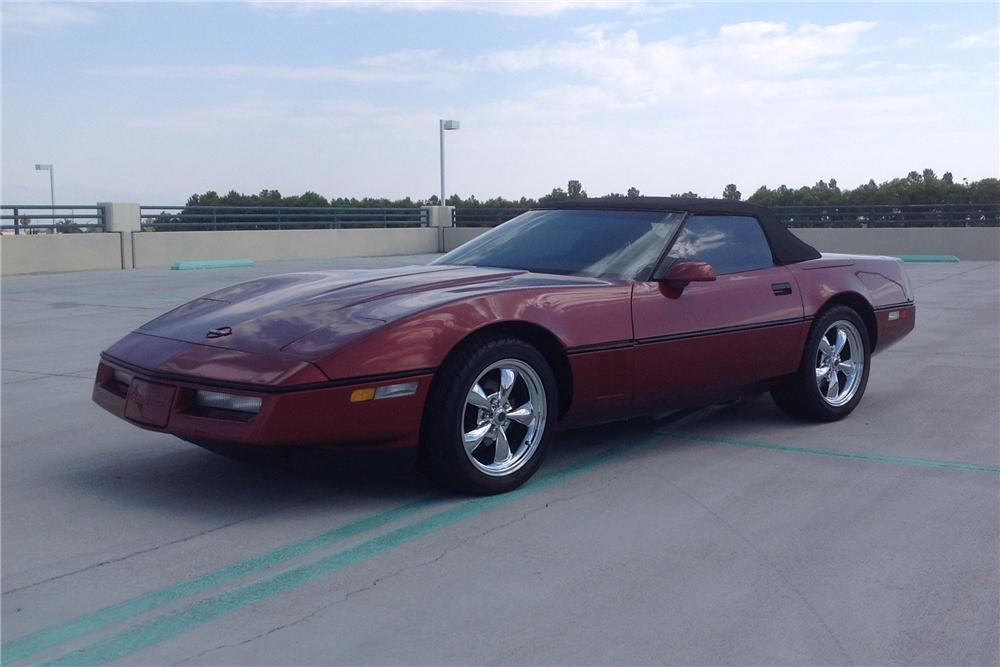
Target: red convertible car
(576,312)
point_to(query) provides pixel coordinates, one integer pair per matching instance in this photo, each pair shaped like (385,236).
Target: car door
(716,339)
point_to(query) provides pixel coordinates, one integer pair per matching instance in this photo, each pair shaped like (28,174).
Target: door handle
(781,289)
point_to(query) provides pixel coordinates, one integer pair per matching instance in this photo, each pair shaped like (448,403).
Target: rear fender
(873,286)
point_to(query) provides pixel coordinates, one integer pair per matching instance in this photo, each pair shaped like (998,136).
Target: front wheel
(490,416)
(834,371)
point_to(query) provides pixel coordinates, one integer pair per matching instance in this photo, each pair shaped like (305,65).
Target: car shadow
(750,414)
(186,479)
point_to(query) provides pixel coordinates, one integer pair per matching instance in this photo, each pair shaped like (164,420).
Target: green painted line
(36,642)
(170,625)
(211,264)
(834,453)
(927,258)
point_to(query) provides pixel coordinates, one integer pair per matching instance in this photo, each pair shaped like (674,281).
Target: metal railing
(890,215)
(858,216)
(68,218)
(215,218)
(59,219)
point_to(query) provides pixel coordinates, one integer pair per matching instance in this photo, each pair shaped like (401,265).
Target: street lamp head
(444,125)
(43,167)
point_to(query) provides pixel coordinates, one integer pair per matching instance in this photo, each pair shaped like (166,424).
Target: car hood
(269,314)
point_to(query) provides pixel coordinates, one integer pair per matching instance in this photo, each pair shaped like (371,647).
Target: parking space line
(36,642)
(840,454)
(172,624)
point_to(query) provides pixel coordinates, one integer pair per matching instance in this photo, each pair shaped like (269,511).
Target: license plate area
(149,402)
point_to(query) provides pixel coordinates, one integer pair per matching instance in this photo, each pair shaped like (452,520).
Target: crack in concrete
(75,304)
(949,277)
(141,552)
(42,374)
(764,557)
(375,582)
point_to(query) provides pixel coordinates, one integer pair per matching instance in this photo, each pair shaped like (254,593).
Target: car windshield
(607,244)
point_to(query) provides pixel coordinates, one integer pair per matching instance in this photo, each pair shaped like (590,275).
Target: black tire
(802,395)
(447,416)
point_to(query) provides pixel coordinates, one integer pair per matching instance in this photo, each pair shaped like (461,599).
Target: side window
(730,243)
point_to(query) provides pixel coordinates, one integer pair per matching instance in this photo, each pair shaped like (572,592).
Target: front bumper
(318,416)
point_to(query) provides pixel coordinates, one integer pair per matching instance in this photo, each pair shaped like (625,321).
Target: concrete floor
(732,536)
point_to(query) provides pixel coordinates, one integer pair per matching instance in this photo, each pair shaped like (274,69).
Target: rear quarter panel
(880,281)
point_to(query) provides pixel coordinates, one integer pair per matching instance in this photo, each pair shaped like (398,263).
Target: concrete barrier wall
(164,248)
(969,243)
(456,236)
(53,253)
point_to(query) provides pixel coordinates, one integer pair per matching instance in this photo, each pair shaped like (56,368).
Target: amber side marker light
(366,394)
(386,391)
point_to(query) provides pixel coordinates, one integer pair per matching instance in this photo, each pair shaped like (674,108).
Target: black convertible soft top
(786,247)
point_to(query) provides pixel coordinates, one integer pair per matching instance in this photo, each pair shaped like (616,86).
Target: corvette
(574,313)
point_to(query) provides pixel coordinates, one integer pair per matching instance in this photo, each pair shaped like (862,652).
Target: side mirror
(684,271)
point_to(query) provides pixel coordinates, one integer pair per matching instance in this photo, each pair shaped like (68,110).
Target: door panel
(715,338)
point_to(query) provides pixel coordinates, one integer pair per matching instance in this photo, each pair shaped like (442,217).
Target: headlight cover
(218,400)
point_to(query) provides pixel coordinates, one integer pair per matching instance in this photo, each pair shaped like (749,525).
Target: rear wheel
(490,416)
(833,374)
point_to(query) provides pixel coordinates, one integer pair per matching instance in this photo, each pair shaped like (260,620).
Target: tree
(308,198)
(984,191)
(825,193)
(68,227)
(557,194)
(574,190)
(762,196)
(268,198)
(917,187)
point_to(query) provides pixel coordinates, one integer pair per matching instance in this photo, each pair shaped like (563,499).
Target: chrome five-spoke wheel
(840,362)
(504,417)
(490,415)
(833,373)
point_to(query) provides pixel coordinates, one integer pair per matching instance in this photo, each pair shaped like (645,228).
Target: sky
(151,102)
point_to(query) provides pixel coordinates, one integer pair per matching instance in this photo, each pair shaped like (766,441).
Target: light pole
(52,187)
(442,126)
